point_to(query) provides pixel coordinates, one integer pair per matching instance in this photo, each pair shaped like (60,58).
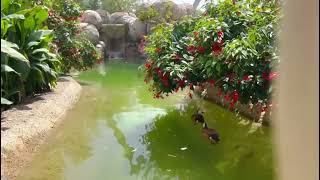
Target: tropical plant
(75,52)
(28,65)
(231,46)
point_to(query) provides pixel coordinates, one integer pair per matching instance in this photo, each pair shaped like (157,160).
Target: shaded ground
(25,127)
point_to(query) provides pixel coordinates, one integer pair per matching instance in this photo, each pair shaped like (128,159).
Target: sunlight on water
(117,131)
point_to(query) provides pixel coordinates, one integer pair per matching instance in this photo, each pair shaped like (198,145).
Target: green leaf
(8,69)
(14,16)
(40,50)
(6,47)
(22,67)
(5,101)
(39,35)
(32,43)
(29,23)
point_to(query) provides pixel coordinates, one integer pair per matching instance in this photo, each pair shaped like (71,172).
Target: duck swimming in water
(198,117)
(210,133)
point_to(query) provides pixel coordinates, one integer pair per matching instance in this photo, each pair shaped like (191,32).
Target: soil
(26,126)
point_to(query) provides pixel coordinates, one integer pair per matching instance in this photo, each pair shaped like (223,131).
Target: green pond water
(117,131)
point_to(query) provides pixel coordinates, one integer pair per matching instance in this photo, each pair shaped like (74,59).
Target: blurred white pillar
(297,121)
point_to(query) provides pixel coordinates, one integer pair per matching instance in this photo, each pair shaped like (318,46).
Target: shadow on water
(118,131)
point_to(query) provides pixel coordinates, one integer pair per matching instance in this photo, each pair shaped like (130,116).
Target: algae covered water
(117,131)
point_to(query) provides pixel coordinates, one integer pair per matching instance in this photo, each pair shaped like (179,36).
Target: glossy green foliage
(230,46)
(27,65)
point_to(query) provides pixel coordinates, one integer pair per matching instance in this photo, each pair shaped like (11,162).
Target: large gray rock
(136,28)
(120,17)
(90,32)
(92,17)
(102,44)
(105,16)
(188,8)
(165,7)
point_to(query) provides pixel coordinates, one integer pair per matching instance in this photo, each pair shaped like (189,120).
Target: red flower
(264,108)
(226,98)
(246,78)
(232,105)
(177,57)
(190,95)
(220,34)
(273,75)
(159,72)
(191,49)
(269,76)
(201,49)
(181,83)
(216,48)
(148,65)
(219,93)
(165,82)
(235,96)
(211,82)
(158,50)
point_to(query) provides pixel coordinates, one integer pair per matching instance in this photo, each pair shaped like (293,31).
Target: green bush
(75,52)
(231,46)
(27,65)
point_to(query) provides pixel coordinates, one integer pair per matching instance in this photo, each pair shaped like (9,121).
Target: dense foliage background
(230,46)
(38,41)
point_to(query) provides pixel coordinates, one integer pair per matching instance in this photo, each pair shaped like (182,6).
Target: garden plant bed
(26,126)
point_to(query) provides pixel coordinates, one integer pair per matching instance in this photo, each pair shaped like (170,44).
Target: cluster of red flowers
(148,65)
(201,49)
(246,78)
(191,49)
(217,46)
(177,57)
(269,76)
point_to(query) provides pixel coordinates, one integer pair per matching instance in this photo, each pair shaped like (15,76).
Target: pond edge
(25,127)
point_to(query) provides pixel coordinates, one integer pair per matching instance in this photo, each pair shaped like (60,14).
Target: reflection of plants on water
(174,131)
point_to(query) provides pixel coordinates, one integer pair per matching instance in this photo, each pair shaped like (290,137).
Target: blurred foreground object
(297,121)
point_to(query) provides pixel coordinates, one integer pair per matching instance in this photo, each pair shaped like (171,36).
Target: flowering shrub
(76,52)
(231,46)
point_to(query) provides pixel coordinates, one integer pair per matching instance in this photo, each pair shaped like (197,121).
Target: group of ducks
(207,132)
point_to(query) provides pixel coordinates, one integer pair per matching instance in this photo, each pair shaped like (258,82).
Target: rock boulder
(90,32)
(92,17)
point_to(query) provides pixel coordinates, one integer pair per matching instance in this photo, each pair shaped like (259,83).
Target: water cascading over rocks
(117,35)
